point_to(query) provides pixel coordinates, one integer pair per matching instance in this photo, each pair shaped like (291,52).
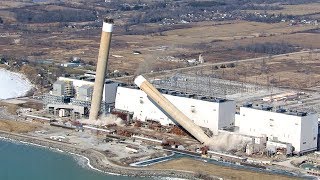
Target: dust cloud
(227,142)
(104,120)
(147,65)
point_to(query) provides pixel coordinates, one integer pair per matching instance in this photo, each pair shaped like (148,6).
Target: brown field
(220,171)
(17,127)
(217,41)
(212,39)
(232,31)
(293,71)
(7,16)
(14,3)
(305,40)
(302,9)
(186,40)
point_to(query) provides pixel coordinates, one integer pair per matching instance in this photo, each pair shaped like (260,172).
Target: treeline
(261,7)
(42,16)
(206,3)
(154,31)
(269,48)
(194,11)
(267,18)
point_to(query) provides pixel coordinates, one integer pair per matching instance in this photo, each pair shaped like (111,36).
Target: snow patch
(13,85)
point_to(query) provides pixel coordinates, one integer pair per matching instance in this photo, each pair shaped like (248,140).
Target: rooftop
(60,82)
(86,86)
(87,78)
(186,95)
(265,107)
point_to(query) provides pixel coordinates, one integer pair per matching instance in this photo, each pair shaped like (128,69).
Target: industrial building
(83,87)
(208,112)
(71,96)
(300,129)
(181,105)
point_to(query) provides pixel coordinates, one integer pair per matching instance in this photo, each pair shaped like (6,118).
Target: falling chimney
(101,69)
(172,110)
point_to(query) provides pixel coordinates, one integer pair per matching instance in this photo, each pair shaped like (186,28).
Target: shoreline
(98,161)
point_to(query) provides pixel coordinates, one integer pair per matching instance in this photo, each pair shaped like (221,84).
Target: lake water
(22,161)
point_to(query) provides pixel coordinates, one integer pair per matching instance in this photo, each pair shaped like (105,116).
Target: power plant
(101,68)
(165,103)
(183,113)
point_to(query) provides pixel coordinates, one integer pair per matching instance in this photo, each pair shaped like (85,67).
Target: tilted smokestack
(170,109)
(101,68)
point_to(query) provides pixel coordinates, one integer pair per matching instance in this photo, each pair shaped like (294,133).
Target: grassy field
(213,34)
(294,71)
(211,39)
(14,3)
(234,30)
(17,127)
(220,171)
(305,40)
(217,41)
(301,9)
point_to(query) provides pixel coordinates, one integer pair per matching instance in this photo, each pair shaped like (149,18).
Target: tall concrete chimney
(101,69)
(173,111)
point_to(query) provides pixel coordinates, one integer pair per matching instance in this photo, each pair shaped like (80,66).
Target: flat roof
(183,94)
(59,82)
(269,108)
(86,86)
(88,79)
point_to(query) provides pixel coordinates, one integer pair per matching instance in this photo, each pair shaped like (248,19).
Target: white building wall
(280,127)
(237,120)
(126,99)
(309,131)
(205,114)
(110,88)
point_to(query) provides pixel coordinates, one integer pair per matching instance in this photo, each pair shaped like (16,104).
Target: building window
(304,143)
(314,138)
